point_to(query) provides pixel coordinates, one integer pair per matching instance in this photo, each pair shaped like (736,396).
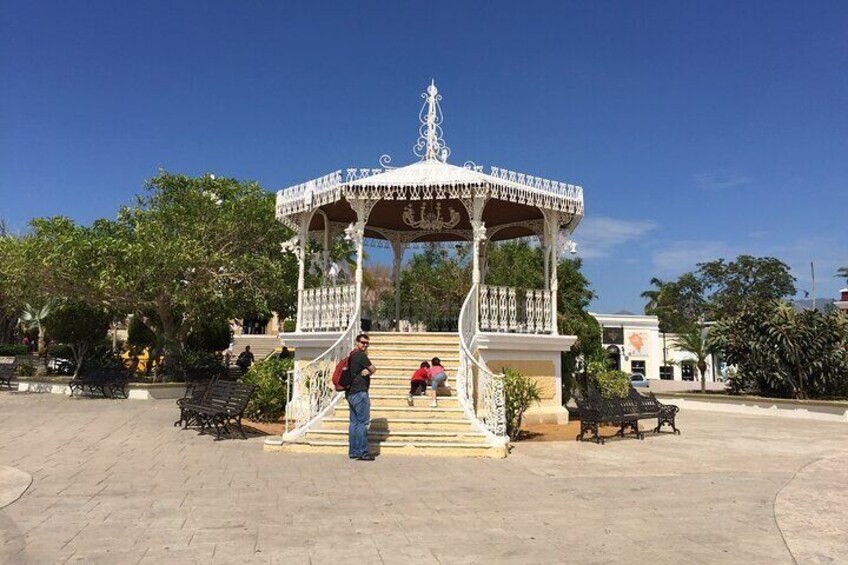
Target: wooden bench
(222,404)
(109,383)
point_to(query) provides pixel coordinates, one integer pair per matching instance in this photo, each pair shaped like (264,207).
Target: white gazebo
(431,200)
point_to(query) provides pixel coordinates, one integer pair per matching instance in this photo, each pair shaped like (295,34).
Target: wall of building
(640,342)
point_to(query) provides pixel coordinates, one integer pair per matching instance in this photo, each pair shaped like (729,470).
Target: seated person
(437,379)
(418,382)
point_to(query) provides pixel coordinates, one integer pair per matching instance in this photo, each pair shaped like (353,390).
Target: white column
(552,225)
(398,248)
(300,255)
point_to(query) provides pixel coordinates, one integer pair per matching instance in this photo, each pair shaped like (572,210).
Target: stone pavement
(114,482)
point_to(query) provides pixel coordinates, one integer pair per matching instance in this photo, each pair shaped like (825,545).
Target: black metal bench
(222,404)
(595,410)
(196,391)
(109,383)
(664,413)
(7,373)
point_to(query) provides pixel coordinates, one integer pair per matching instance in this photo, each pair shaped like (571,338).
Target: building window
(687,372)
(667,373)
(613,335)
(637,367)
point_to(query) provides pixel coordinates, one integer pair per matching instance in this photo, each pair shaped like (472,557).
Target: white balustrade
(480,391)
(327,308)
(501,310)
(309,387)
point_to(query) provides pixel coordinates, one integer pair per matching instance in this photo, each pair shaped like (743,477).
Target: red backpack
(342,379)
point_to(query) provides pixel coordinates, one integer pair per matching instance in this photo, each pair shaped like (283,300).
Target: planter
(137,391)
(827,410)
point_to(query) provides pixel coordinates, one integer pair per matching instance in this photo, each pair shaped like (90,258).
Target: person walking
(361,370)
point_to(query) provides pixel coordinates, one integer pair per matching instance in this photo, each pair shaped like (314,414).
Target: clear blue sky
(698,129)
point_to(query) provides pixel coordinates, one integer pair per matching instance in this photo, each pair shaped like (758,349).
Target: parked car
(638,380)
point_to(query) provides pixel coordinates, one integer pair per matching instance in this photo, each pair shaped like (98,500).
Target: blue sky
(698,130)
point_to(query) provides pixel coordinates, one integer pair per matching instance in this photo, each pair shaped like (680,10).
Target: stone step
(382,435)
(380,387)
(396,378)
(391,400)
(407,359)
(429,449)
(400,424)
(343,411)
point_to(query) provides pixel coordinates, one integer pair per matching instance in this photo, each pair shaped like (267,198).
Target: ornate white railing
(327,308)
(309,387)
(480,391)
(504,309)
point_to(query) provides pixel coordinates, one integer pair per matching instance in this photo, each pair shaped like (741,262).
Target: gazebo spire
(431,144)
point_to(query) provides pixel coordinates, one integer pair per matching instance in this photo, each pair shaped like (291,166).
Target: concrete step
(406,359)
(382,435)
(343,411)
(391,400)
(381,388)
(401,424)
(429,449)
(397,378)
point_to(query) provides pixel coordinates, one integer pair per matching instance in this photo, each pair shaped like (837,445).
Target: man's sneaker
(366,457)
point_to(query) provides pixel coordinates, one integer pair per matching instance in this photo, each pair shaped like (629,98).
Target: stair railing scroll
(327,308)
(309,387)
(480,391)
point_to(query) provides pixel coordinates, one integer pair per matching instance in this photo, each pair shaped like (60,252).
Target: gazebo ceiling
(431,197)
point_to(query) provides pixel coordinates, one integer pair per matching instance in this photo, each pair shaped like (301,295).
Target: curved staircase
(396,427)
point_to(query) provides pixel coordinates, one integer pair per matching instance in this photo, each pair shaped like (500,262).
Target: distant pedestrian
(358,400)
(245,359)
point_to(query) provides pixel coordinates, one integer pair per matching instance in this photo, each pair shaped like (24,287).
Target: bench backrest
(229,396)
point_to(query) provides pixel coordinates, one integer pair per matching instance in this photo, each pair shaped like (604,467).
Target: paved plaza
(114,482)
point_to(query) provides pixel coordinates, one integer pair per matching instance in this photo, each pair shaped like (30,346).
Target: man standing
(361,370)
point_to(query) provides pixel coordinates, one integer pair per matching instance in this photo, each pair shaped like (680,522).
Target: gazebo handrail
(309,388)
(486,406)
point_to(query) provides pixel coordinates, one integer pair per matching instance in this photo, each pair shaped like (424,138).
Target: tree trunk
(702,367)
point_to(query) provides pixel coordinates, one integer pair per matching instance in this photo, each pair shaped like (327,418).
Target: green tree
(677,304)
(694,341)
(842,272)
(730,285)
(781,351)
(80,326)
(35,318)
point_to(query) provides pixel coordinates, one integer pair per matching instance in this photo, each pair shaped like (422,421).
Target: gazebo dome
(429,200)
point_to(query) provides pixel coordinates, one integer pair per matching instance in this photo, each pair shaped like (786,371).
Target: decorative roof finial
(431,143)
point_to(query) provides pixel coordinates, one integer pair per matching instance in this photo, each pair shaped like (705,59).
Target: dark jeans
(418,387)
(360,415)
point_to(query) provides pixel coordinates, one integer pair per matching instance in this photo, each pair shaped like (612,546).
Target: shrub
(198,364)
(268,403)
(60,351)
(289,325)
(210,336)
(12,349)
(519,393)
(612,384)
(26,369)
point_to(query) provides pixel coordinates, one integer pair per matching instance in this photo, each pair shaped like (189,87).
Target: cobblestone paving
(114,482)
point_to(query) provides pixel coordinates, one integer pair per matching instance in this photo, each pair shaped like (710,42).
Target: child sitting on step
(418,382)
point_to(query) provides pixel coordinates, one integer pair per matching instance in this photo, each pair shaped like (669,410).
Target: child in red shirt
(418,382)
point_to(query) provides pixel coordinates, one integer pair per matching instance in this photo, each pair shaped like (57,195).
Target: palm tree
(653,295)
(842,272)
(692,341)
(33,318)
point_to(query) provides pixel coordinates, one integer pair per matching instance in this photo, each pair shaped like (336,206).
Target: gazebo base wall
(537,357)
(309,345)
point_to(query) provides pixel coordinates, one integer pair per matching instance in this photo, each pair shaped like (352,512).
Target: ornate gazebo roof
(430,197)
